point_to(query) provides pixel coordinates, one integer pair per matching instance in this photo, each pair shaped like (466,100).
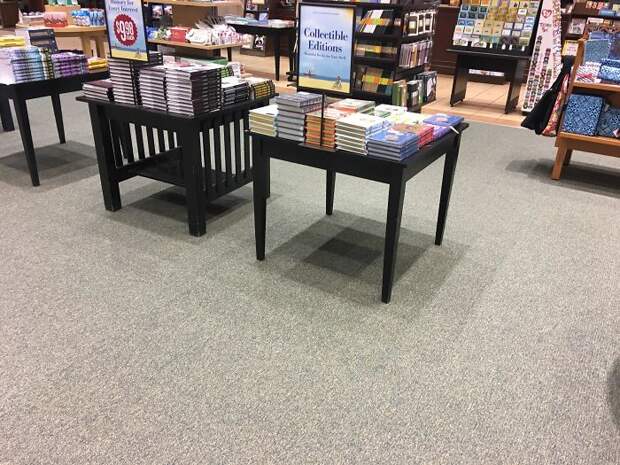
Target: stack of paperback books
(263,120)
(194,89)
(392,144)
(442,124)
(153,87)
(234,90)
(261,88)
(69,64)
(313,127)
(292,109)
(353,131)
(23,64)
(351,105)
(384,110)
(99,90)
(124,75)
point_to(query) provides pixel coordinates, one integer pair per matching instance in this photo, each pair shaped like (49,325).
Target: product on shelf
(153,87)
(234,90)
(194,89)
(97,64)
(69,64)
(99,90)
(378,22)
(55,19)
(415,53)
(261,88)
(375,49)
(12,41)
(582,114)
(88,17)
(374,79)
(125,77)
(263,120)
(384,110)
(23,64)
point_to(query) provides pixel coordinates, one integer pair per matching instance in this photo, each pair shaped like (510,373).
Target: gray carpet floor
(123,340)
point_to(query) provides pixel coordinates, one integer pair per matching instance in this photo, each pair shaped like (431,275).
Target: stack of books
(234,90)
(125,77)
(23,64)
(373,79)
(442,124)
(153,87)
(97,64)
(384,110)
(261,88)
(194,89)
(12,41)
(69,64)
(392,144)
(375,50)
(292,109)
(99,90)
(351,105)
(378,22)
(313,127)
(353,131)
(263,120)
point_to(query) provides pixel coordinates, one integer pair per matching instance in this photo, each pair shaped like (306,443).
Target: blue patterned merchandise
(610,71)
(582,113)
(608,122)
(596,50)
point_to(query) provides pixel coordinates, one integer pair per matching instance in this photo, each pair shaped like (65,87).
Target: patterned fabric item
(608,122)
(588,72)
(610,71)
(596,50)
(551,129)
(582,113)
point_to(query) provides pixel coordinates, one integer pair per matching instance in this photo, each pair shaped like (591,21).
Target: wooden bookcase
(566,142)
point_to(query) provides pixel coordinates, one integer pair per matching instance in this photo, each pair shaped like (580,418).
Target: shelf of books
(392,52)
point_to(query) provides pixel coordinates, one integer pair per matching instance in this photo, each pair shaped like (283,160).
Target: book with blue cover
(442,119)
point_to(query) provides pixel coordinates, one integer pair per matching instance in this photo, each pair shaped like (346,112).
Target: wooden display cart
(566,142)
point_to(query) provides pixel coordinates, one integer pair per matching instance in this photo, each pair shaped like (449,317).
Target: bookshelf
(566,142)
(396,39)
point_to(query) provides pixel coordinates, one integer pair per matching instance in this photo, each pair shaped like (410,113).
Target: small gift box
(582,114)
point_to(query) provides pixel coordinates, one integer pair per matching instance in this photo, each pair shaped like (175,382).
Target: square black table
(394,173)
(23,91)
(276,33)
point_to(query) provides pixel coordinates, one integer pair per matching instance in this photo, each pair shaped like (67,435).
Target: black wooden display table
(513,68)
(135,141)
(394,173)
(276,33)
(23,91)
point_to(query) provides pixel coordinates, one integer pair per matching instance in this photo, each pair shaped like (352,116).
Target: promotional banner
(126,33)
(325,45)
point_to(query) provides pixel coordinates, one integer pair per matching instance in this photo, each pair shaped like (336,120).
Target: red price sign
(125,30)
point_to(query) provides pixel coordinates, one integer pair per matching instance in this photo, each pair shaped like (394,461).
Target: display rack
(398,39)
(567,142)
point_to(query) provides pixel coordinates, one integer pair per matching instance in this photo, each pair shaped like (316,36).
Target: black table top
(95,76)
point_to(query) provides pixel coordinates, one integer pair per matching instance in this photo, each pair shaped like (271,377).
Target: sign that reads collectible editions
(325,39)
(126,32)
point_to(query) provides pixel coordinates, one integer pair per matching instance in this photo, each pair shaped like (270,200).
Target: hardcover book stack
(125,77)
(99,90)
(352,105)
(292,110)
(378,22)
(384,110)
(313,127)
(263,120)
(23,64)
(234,90)
(413,123)
(353,131)
(374,49)
(373,79)
(153,87)
(442,124)
(194,89)
(415,53)
(261,88)
(69,64)
(392,144)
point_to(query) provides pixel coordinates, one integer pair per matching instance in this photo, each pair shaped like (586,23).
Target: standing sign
(325,45)
(126,32)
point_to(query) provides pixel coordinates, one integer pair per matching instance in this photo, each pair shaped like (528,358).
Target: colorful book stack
(23,64)
(378,22)
(125,77)
(373,79)
(97,64)
(234,90)
(313,127)
(12,41)
(415,53)
(352,105)
(353,131)
(195,89)
(69,64)
(392,144)
(99,90)
(263,120)
(375,50)
(412,122)
(261,88)
(442,124)
(292,109)
(384,110)
(153,87)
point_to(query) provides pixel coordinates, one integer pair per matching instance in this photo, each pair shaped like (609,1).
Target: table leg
(329,192)
(261,188)
(516,79)
(392,233)
(276,53)
(560,160)
(21,112)
(105,158)
(193,173)
(291,50)
(58,115)
(5,115)
(459,84)
(100,46)
(229,53)
(88,52)
(446,188)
